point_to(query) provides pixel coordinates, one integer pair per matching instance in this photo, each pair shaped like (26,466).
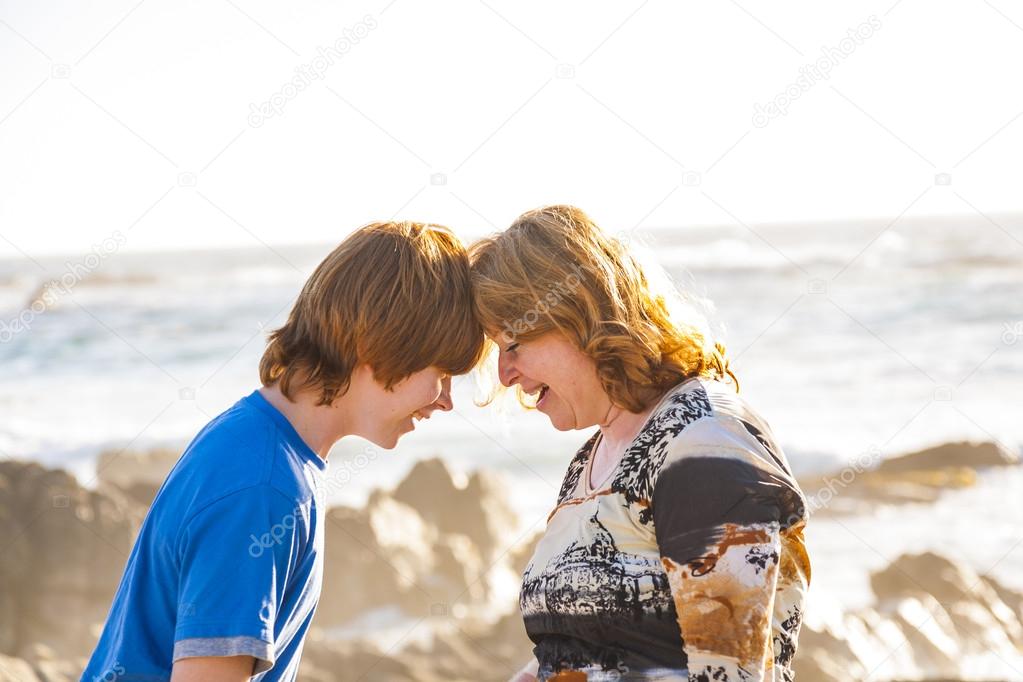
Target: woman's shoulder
(683,405)
(696,420)
(703,416)
(701,422)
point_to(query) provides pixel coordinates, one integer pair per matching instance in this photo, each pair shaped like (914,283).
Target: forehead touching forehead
(394,296)
(554,268)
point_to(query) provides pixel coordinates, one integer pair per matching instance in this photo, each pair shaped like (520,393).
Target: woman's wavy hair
(394,296)
(554,269)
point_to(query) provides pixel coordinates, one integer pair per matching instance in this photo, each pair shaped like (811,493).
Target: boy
(225,574)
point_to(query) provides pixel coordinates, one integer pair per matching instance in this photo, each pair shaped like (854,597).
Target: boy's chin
(385,443)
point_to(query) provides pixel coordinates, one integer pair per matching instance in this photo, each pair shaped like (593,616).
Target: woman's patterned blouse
(688,563)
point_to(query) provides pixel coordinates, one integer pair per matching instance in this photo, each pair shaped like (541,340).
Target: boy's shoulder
(242,448)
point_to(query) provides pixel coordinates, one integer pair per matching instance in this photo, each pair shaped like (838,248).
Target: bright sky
(137,116)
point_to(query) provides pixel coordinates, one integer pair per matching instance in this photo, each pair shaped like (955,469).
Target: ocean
(851,338)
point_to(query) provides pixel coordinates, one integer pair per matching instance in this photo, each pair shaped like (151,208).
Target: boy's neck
(319,426)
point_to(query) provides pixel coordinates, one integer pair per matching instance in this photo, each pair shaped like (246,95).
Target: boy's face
(383,416)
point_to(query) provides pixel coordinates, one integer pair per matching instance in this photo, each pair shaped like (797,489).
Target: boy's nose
(444,401)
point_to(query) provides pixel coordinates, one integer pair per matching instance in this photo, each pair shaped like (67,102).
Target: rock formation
(915,477)
(439,564)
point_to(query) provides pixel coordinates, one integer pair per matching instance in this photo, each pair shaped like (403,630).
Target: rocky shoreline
(420,583)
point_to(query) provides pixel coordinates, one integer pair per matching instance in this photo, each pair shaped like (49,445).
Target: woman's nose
(506,371)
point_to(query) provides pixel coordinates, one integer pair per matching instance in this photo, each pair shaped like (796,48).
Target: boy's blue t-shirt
(229,560)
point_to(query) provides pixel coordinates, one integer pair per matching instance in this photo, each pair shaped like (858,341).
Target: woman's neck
(620,427)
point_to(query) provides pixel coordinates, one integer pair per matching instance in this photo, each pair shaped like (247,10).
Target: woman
(675,550)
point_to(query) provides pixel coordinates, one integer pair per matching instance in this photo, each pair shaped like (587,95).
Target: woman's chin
(561,424)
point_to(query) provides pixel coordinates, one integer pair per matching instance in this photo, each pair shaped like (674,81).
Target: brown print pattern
(691,565)
(724,604)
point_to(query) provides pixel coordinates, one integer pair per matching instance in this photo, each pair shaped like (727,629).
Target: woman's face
(559,374)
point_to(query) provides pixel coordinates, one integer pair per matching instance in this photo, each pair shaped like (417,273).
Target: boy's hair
(394,296)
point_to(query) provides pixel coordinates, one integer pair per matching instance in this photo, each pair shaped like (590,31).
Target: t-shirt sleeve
(717,519)
(235,558)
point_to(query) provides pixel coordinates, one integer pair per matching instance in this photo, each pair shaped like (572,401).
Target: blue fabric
(229,559)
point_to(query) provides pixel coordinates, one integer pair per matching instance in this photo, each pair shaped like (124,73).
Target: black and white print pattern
(610,577)
(644,459)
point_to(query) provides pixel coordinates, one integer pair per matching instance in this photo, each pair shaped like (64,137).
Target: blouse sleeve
(717,520)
